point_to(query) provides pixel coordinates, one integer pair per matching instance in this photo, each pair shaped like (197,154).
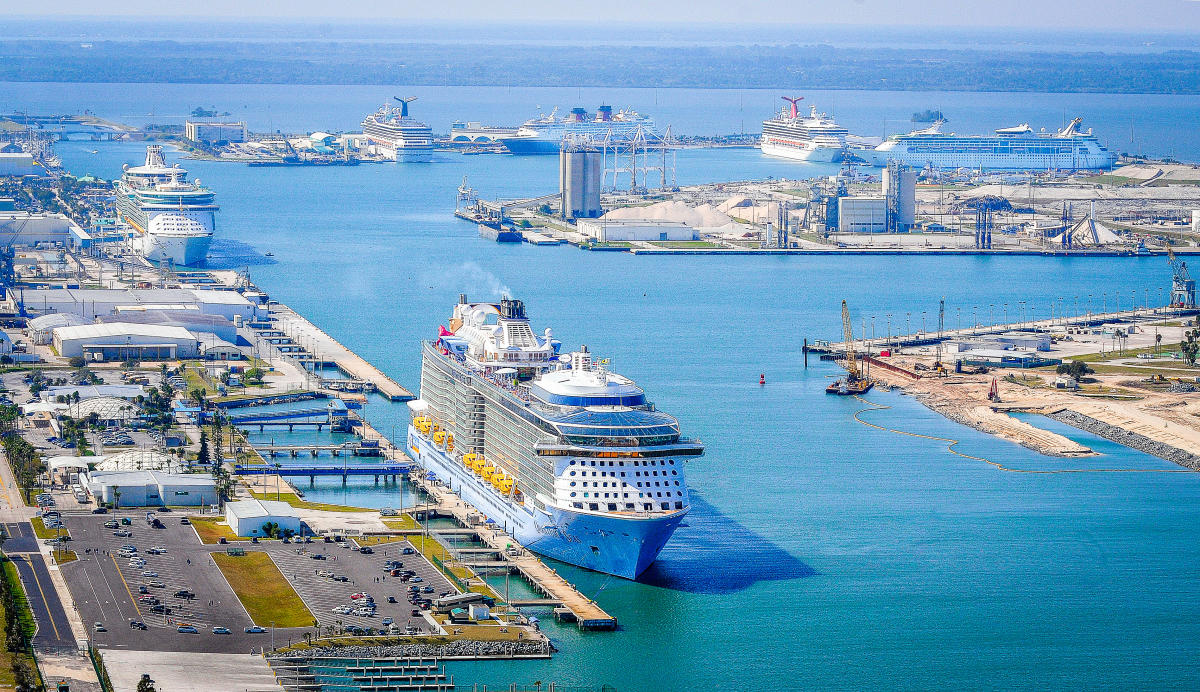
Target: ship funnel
(581,360)
(511,309)
(795,101)
(462,298)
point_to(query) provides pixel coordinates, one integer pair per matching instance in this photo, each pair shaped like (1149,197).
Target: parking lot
(110,588)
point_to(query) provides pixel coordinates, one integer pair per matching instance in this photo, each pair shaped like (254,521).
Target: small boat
(270,254)
(849,387)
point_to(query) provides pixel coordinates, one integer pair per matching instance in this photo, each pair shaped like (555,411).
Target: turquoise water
(821,553)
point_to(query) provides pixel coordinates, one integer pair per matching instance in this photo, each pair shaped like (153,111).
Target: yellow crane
(851,359)
(854,383)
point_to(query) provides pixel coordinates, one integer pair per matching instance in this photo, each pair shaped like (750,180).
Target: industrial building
(40,330)
(22,228)
(208,132)
(833,209)
(616,230)
(19,163)
(1000,358)
(91,391)
(580,167)
(247,517)
(91,303)
(900,191)
(122,341)
(190,318)
(150,488)
(862,215)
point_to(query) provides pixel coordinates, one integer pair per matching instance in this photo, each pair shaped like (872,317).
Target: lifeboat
(487,472)
(469,458)
(439,436)
(478,463)
(498,478)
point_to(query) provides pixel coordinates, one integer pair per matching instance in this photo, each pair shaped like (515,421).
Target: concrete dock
(325,348)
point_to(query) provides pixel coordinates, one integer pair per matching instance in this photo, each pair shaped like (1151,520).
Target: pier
(573,604)
(296,334)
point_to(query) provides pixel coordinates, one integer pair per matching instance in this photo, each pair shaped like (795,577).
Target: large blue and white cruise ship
(569,458)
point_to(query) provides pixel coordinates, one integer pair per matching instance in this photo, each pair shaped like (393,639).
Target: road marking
(127,589)
(49,615)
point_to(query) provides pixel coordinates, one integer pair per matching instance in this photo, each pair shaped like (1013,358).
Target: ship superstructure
(172,219)
(545,133)
(398,135)
(568,457)
(1008,148)
(815,137)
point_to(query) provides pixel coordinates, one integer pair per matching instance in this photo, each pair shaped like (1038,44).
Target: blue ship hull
(522,146)
(617,545)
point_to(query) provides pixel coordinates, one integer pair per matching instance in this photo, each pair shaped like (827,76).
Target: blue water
(1157,125)
(821,553)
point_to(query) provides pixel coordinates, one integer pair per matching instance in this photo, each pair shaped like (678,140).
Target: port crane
(404,104)
(937,361)
(855,382)
(1183,287)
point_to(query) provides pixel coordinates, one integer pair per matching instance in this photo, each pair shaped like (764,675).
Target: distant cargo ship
(172,218)
(544,134)
(1010,148)
(815,137)
(398,135)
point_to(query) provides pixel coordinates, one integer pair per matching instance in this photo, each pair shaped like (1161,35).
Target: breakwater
(1128,438)
(458,649)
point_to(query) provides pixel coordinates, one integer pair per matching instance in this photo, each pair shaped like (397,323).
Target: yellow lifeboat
(487,472)
(469,458)
(422,424)
(497,478)
(478,463)
(439,436)
(507,485)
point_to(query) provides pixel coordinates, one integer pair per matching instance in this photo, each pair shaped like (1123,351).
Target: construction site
(1128,376)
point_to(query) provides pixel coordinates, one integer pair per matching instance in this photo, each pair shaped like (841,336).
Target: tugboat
(854,382)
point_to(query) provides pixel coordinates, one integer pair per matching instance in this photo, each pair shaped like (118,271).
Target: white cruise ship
(569,458)
(544,134)
(397,135)
(813,138)
(1009,149)
(172,218)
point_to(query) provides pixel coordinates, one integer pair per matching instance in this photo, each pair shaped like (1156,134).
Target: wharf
(325,348)
(545,580)
(535,238)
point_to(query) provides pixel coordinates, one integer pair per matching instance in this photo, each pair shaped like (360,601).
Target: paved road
(54,631)
(21,538)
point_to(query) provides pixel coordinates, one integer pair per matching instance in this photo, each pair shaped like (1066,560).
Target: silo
(579,171)
(900,187)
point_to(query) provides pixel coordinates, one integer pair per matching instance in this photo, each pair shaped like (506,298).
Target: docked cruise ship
(1017,148)
(172,218)
(568,457)
(398,135)
(544,134)
(815,137)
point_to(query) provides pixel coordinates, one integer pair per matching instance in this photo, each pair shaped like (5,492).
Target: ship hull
(185,251)
(993,162)
(621,546)
(803,152)
(526,146)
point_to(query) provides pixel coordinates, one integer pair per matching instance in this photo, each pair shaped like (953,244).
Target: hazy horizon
(1168,16)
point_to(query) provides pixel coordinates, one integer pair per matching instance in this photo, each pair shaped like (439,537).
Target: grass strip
(263,590)
(299,503)
(40,530)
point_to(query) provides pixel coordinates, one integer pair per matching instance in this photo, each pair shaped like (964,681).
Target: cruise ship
(815,137)
(172,218)
(544,134)
(1017,148)
(397,135)
(569,458)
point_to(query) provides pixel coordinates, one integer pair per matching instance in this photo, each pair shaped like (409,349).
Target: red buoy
(762,378)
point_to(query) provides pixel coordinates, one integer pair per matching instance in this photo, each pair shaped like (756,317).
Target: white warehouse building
(151,488)
(247,517)
(120,341)
(613,230)
(91,303)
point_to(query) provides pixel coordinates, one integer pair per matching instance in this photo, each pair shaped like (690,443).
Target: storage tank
(900,188)
(579,171)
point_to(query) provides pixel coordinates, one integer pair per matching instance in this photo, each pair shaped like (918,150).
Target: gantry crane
(1183,287)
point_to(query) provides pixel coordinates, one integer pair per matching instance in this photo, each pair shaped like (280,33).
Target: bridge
(333,413)
(348,449)
(314,470)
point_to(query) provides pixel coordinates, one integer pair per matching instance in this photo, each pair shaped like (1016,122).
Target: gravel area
(1129,439)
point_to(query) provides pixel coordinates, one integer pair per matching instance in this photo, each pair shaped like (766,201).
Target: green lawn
(212,529)
(40,530)
(295,501)
(263,590)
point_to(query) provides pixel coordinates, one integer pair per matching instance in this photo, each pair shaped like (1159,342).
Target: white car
(343,610)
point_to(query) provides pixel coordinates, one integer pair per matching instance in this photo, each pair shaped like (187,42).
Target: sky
(1125,15)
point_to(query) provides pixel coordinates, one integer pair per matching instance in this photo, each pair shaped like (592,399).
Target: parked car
(366,550)
(255,630)
(99,627)
(137,625)
(187,629)
(221,630)
(100,510)
(184,593)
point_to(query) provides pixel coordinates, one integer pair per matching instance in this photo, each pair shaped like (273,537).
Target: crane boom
(851,359)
